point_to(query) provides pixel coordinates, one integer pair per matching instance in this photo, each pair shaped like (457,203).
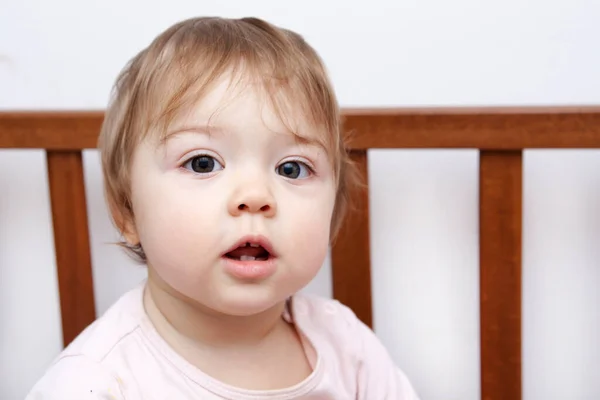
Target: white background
(65,54)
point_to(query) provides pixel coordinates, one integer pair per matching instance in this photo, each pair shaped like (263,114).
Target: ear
(125,223)
(129,232)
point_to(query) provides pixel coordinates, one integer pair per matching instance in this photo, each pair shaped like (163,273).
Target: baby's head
(225,130)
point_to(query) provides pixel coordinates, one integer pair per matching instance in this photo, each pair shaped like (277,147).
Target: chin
(245,303)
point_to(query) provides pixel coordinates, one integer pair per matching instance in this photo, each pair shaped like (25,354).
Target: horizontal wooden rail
(484,129)
(50,130)
(477,128)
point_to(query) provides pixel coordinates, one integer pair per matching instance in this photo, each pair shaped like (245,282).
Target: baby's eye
(203,164)
(294,170)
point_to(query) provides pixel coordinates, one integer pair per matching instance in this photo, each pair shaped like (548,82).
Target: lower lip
(250,270)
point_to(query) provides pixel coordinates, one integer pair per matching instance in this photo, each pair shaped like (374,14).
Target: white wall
(65,54)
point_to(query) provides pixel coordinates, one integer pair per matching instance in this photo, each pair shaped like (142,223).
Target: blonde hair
(174,72)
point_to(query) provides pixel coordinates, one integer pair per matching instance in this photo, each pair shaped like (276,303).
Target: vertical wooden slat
(71,240)
(500,274)
(350,254)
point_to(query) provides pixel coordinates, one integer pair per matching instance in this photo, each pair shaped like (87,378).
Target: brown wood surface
(486,129)
(61,130)
(71,240)
(350,254)
(480,128)
(500,274)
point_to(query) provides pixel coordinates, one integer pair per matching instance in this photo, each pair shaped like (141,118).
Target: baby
(226,173)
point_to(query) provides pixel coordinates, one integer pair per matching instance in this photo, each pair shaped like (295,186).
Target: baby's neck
(190,324)
(260,352)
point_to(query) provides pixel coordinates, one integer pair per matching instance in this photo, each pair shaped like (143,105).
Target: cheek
(175,220)
(309,228)
(310,244)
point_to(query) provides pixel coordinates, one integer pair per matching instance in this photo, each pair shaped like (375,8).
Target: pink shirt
(121,356)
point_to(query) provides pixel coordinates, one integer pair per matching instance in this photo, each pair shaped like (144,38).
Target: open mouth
(249,252)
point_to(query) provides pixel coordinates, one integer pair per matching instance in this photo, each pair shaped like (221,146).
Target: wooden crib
(500,135)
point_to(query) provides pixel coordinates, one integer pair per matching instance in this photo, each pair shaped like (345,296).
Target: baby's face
(199,197)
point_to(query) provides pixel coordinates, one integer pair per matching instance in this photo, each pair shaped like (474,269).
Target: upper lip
(253,239)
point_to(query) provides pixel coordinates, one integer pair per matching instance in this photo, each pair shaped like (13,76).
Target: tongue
(255,252)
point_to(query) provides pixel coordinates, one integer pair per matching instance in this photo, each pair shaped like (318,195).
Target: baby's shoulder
(76,377)
(84,368)
(106,333)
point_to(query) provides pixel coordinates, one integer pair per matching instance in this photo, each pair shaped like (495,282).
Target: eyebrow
(209,130)
(307,141)
(199,129)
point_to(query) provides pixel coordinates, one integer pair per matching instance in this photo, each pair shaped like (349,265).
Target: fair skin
(230,170)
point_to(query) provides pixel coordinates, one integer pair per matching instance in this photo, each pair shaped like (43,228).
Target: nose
(253,199)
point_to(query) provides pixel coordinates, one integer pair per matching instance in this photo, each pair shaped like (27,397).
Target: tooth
(254,245)
(247,258)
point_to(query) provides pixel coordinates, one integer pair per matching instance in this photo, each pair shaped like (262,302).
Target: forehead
(243,104)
